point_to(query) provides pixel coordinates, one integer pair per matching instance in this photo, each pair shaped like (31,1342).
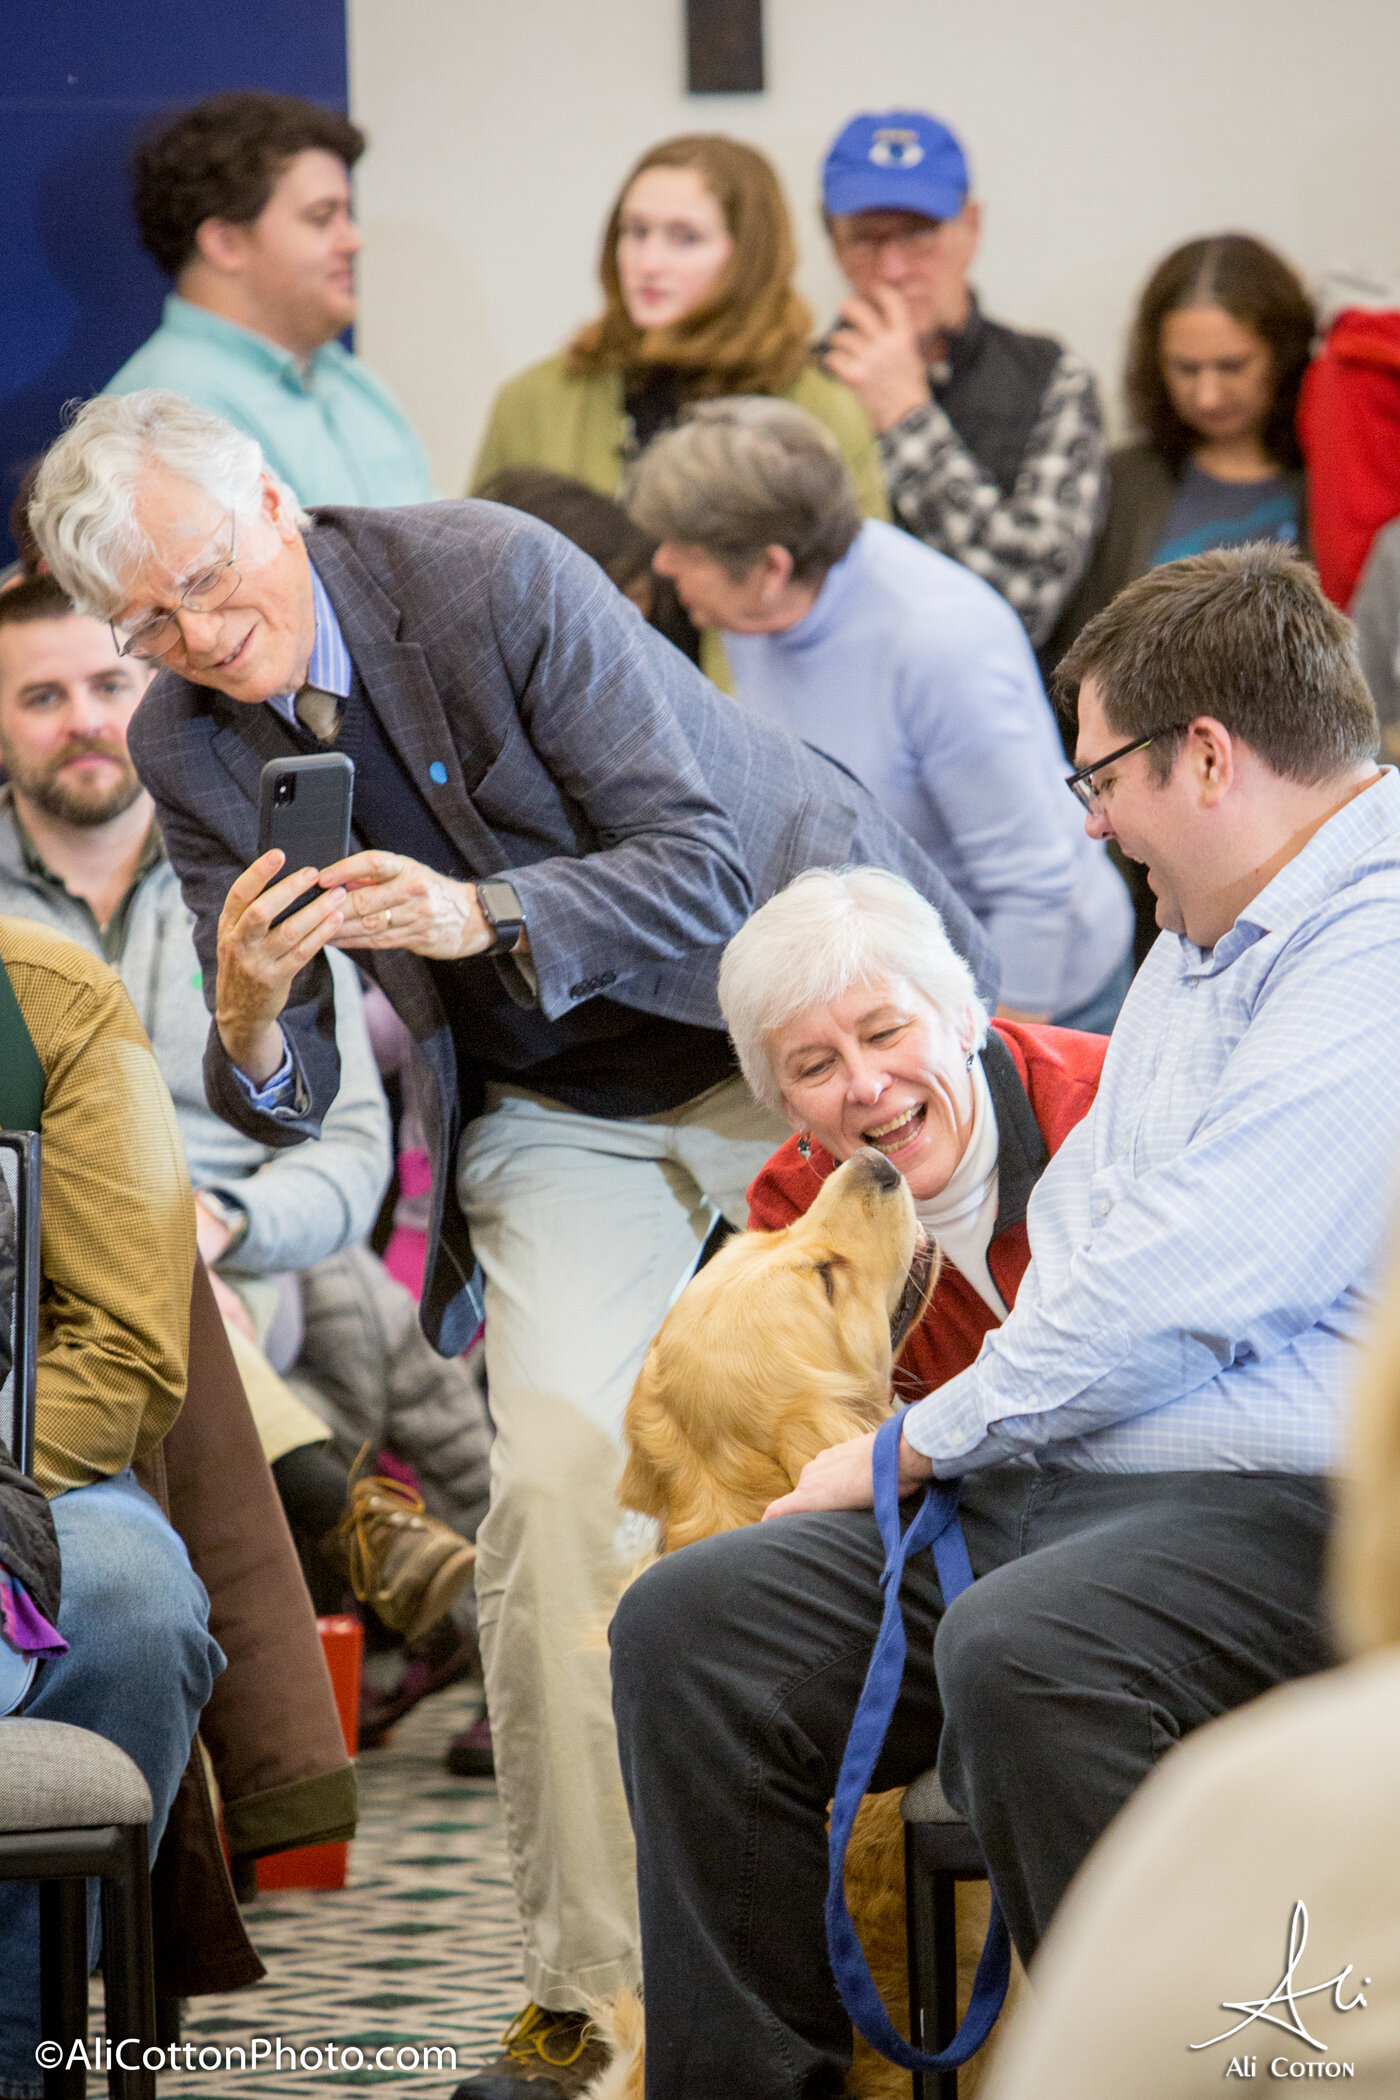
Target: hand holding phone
(304,808)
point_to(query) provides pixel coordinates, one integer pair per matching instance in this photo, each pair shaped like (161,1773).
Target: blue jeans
(1097,1015)
(139,1668)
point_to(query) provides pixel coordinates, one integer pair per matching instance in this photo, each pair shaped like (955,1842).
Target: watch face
(499,902)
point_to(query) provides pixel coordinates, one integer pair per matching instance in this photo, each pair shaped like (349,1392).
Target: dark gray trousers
(1112,1615)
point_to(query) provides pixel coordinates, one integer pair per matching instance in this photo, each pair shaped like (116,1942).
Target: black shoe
(470,1755)
(553,2054)
(488,2085)
(443,1657)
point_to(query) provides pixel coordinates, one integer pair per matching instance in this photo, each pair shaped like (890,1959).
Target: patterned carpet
(419,1950)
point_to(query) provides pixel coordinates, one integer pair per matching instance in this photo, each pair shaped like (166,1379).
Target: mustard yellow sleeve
(117,1225)
(519,425)
(835,405)
(496,449)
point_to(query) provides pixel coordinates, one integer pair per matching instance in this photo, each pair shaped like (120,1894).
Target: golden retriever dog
(780,1346)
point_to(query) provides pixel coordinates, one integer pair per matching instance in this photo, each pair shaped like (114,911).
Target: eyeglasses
(205,593)
(914,243)
(1080,784)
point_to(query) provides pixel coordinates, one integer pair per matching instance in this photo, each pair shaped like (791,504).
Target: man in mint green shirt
(245,200)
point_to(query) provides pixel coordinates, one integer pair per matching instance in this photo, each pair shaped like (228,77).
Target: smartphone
(304,806)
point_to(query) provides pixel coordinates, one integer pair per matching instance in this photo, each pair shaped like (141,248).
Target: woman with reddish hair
(696,269)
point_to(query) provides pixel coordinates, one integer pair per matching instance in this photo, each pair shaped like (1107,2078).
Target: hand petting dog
(843,1477)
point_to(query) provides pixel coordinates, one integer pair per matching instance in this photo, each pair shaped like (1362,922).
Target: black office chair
(73,1807)
(939,1852)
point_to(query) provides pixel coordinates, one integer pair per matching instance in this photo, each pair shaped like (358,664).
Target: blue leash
(936,1524)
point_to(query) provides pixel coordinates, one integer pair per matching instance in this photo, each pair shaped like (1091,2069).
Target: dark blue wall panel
(78,78)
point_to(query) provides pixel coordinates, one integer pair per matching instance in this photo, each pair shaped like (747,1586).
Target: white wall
(1101,133)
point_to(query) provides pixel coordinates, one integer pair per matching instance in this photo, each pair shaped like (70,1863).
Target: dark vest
(601,1058)
(993,393)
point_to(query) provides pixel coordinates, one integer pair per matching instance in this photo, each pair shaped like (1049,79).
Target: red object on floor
(324,1866)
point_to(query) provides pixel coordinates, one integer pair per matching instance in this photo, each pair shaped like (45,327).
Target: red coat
(1042,1082)
(1349,428)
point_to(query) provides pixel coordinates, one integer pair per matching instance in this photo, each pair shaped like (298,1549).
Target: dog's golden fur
(781,1346)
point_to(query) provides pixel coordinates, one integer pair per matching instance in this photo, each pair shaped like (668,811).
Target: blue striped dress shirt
(1205,1245)
(330,668)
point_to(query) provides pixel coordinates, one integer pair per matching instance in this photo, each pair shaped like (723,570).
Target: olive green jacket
(547,417)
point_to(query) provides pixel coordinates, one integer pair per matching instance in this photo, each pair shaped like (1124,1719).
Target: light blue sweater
(918,677)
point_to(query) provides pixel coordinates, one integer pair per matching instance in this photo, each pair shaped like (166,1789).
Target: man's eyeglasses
(914,243)
(205,593)
(1081,785)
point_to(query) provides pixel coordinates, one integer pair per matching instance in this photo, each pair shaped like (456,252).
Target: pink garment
(23,1624)
(406,1255)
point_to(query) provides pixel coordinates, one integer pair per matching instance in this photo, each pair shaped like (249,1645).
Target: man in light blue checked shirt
(1145,1441)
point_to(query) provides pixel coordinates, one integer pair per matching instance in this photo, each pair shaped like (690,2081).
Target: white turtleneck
(962,1218)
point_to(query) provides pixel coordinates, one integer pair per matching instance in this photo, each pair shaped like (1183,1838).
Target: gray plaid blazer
(559,741)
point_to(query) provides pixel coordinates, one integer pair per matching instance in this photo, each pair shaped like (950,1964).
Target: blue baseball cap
(904,160)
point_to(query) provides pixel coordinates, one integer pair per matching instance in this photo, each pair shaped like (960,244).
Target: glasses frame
(1078,782)
(917,242)
(208,581)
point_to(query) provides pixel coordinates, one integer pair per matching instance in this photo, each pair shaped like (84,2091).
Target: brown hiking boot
(546,2054)
(404,1563)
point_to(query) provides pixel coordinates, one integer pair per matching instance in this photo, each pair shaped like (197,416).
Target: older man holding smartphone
(558,824)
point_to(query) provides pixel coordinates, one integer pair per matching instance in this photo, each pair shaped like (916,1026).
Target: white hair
(83,509)
(827,931)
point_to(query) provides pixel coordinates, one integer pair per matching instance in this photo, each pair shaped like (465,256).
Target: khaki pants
(586,1230)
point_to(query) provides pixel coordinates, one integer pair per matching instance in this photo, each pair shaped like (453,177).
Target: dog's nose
(882,1171)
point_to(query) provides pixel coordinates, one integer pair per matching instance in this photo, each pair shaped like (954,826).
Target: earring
(970,1056)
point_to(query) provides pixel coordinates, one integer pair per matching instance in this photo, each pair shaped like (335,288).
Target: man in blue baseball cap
(992,439)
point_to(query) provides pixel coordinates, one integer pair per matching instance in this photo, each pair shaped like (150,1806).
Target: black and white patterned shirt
(1032,543)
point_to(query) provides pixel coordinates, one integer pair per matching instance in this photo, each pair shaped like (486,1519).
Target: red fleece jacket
(1059,1070)
(1349,428)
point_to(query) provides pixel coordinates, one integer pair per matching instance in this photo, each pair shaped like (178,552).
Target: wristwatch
(229,1211)
(503,913)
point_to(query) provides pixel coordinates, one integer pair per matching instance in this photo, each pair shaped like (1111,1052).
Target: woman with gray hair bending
(904,667)
(856,1019)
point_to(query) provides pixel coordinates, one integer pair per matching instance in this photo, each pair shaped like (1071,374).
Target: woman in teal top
(1217,353)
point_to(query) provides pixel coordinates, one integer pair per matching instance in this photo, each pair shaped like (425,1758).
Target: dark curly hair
(1255,287)
(221,160)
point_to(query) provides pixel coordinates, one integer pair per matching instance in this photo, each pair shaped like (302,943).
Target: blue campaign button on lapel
(437,773)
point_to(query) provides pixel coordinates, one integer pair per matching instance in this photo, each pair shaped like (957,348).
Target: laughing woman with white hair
(856,1019)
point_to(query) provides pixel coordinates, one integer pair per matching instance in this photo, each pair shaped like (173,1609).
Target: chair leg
(945,1975)
(127,1957)
(913,1933)
(63,1980)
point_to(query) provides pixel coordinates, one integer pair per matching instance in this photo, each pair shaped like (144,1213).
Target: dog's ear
(642,1486)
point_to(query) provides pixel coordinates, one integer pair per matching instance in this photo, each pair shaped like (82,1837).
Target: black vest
(993,393)
(601,1058)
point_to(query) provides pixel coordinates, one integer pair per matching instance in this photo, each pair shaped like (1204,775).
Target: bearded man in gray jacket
(282,1232)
